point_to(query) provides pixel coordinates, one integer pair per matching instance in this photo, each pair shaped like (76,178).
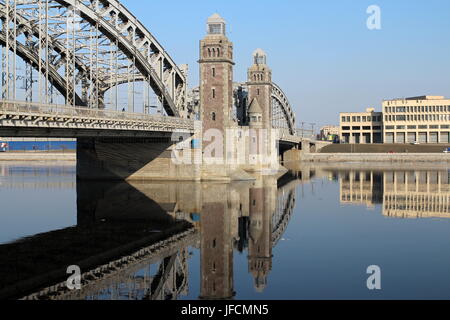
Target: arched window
(209,52)
(254,77)
(218,52)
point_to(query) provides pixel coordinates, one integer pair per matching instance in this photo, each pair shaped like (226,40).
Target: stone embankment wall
(375,157)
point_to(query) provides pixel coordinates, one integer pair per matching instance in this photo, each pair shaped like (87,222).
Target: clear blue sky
(320,51)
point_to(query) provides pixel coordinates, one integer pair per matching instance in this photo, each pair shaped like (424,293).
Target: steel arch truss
(283,117)
(282,216)
(87,50)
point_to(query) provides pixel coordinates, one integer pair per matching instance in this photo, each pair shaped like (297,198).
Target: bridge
(89,69)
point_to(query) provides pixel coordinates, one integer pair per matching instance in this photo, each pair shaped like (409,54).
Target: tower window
(213,72)
(214,93)
(258,91)
(213,116)
(215,29)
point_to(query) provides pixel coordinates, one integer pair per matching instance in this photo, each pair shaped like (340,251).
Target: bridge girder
(102,23)
(284,116)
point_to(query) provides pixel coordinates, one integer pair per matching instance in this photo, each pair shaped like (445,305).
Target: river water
(310,234)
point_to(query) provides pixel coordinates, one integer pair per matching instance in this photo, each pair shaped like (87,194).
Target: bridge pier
(132,159)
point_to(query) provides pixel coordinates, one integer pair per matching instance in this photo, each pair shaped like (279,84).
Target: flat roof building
(424,119)
(361,127)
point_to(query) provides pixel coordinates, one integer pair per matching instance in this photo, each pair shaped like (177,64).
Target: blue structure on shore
(59,145)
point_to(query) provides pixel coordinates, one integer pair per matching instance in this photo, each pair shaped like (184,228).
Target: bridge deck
(33,119)
(33,116)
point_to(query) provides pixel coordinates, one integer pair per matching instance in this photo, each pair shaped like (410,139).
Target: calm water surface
(310,234)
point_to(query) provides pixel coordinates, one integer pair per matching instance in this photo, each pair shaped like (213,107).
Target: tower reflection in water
(402,194)
(167,220)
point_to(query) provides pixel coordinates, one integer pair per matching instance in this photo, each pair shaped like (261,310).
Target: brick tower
(216,79)
(260,86)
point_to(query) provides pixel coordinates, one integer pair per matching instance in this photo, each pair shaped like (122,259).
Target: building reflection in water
(217,219)
(402,193)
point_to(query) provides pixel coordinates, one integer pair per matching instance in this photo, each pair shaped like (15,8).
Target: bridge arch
(108,33)
(33,59)
(282,113)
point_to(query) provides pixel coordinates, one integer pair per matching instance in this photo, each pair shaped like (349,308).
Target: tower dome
(216,18)
(259,56)
(216,25)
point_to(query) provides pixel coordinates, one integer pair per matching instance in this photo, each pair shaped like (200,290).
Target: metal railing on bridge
(69,114)
(300,134)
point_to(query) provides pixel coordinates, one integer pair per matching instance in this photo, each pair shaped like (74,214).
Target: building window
(213,72)
(213,116)
(214,93)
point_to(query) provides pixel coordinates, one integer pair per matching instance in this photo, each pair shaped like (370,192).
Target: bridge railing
(299,133)
(307,134)
(21,108)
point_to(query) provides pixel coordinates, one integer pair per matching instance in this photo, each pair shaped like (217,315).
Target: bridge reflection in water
(132,241)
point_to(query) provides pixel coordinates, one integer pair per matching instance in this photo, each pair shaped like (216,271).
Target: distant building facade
(424,119)
(361,127)
(327,131)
